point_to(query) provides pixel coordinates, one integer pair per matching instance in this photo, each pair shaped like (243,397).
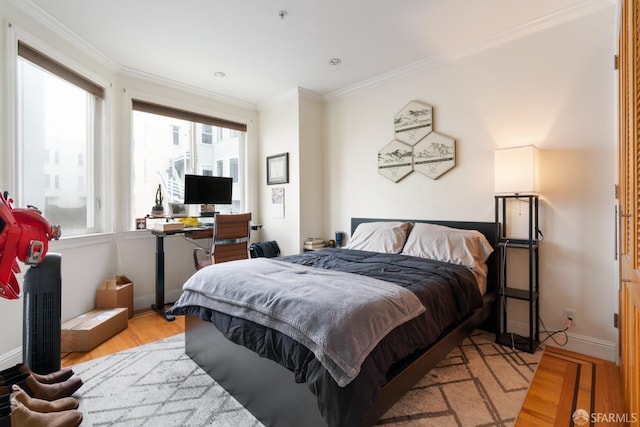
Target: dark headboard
(489,230)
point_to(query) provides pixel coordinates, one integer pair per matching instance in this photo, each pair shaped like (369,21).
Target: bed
(299,389)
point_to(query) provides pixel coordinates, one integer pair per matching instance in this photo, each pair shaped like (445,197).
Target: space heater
(42,293)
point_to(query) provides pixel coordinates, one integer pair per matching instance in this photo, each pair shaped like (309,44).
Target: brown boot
(51,391)
(22,368)
(52,378)
(40,405)
(21,416)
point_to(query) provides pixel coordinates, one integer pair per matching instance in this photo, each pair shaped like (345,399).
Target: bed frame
(269,391)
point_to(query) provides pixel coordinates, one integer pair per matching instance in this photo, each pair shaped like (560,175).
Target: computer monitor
(207,190)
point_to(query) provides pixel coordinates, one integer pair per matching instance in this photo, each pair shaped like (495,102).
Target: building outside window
(176,135)
(157,160)
(59,112)
(233,169)
(207,134)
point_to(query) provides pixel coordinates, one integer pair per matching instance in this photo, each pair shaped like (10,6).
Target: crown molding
(575,11)
(570,13)
(169,83)
(50,23)
(310,95)
(294,93)
(279,99)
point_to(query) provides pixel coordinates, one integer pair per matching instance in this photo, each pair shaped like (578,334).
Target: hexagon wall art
(395,160)
(413,122)
(434,155)
(417,146)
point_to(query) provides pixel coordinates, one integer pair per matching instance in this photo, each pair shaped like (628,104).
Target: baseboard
(583,344)
(144,302)
(11,358)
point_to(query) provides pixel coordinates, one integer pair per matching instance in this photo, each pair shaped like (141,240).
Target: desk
(192,233)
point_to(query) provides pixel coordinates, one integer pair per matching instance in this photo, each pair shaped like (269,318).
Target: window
(59,115)
(176,135)
(207,134)
(233,169)
(157,160)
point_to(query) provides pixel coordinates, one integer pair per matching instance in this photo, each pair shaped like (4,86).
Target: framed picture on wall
(278,169)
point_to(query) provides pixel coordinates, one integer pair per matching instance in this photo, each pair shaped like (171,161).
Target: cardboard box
(116,292)
(88,330)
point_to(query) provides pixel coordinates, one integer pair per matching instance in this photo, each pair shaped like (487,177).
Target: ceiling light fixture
(220,74)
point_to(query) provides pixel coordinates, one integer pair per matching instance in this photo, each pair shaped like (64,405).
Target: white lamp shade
(516,170)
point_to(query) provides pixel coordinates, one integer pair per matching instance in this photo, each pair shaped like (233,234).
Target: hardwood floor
(564,381)
(144,327)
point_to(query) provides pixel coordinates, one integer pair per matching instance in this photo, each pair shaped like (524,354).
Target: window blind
(162,110)
(54,67)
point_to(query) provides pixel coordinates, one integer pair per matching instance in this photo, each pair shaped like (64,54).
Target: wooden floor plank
(586,382)
(607,399)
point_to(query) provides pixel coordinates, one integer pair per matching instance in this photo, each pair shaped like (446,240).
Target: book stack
(314,243)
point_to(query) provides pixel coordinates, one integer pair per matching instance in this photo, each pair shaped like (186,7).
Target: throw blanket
(329,312)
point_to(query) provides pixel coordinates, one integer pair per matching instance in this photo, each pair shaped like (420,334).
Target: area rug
(479,383)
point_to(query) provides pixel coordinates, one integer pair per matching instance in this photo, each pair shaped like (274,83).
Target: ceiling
(264,55)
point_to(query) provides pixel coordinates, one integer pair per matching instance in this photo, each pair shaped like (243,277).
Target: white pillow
(386,237)
(469,248)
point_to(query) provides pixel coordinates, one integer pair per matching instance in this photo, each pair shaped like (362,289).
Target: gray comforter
(335,324)
(448,292)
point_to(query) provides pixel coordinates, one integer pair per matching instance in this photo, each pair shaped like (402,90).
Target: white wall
(554,88)
(279,133)
(294,124)
(311,177)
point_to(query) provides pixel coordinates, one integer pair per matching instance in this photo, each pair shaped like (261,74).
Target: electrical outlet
(569,316)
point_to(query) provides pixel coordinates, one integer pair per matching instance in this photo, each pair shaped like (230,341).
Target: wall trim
(73,242)
(146,301)
(591,346)
(11,358)
(575,11)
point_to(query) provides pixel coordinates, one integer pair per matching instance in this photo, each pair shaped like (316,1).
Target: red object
(24,236)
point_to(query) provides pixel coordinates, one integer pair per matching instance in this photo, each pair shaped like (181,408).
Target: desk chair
(230,240)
